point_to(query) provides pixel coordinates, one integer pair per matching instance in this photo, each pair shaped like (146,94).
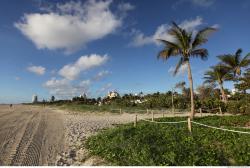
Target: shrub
(240,106)
(162,144)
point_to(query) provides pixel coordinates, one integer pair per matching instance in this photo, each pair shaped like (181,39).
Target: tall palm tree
(244,84)
(186,45)
(217,75)
(235,63)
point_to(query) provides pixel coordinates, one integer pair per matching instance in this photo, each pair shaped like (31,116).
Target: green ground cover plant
(164,144)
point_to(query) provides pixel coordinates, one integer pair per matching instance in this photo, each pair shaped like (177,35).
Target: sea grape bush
(162,144)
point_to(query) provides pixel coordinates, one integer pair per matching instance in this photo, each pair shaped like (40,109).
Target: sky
(67,48)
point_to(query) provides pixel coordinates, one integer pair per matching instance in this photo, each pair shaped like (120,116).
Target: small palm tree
(235,63)
(184,90)
(186,45)
(217,75)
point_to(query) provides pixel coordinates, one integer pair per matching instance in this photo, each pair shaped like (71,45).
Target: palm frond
(179,64)
(227,60)
(202,36)
(245,62)
(179,34)
(180,84)
(201,53)
(168,43)
(237,55)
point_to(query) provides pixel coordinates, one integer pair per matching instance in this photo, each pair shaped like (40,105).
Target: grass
(164,144)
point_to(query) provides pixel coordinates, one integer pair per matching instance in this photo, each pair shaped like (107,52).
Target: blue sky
(65,48)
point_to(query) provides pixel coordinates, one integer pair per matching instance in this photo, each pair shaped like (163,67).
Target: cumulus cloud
(100,75)
(72,71)
(38,70)
(140,39)
(71,25)
(182,70)
(64,88)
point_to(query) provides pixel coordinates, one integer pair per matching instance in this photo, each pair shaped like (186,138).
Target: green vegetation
(218,74)
(186,45)
(211,94)
(165,144)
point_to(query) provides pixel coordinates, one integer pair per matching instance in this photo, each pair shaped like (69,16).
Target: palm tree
(184,90)
(217,75)
(185,46)
(244,84)
(235,63)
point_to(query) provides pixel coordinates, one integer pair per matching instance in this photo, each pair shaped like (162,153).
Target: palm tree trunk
(224,97)
(191,90)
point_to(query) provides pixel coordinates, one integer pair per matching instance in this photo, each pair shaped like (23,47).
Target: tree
(185,91)
(244,84)
(52,98)
(186,45)
(217,75)
(204,91)
(235,63)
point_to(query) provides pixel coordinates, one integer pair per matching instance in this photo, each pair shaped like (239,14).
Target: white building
(112,94)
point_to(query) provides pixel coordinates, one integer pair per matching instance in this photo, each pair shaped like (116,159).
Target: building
(34,99)
(112,94)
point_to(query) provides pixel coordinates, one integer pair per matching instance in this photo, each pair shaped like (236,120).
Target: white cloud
(140,39)
(198,3)
(203,3)
(72,25)
(101,75)
(72,71)
(85,83)
(125,7)
(39,70)
(192,24)
(161,32)
(65,89)
(182,70)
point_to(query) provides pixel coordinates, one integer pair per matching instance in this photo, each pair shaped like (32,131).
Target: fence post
(135,123)
(189,125)
(147,111)
(201,112)
(220,110)
(120,111)
(152,115)
(163,114)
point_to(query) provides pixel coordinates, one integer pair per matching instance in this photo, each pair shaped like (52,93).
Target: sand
(33,135)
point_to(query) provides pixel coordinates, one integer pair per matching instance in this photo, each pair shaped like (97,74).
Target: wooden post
(189,125)
(147,111)
(201,112)
(220,110)
(152,115)
(163,114)
(135,123)
(173,101)
(120,111)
